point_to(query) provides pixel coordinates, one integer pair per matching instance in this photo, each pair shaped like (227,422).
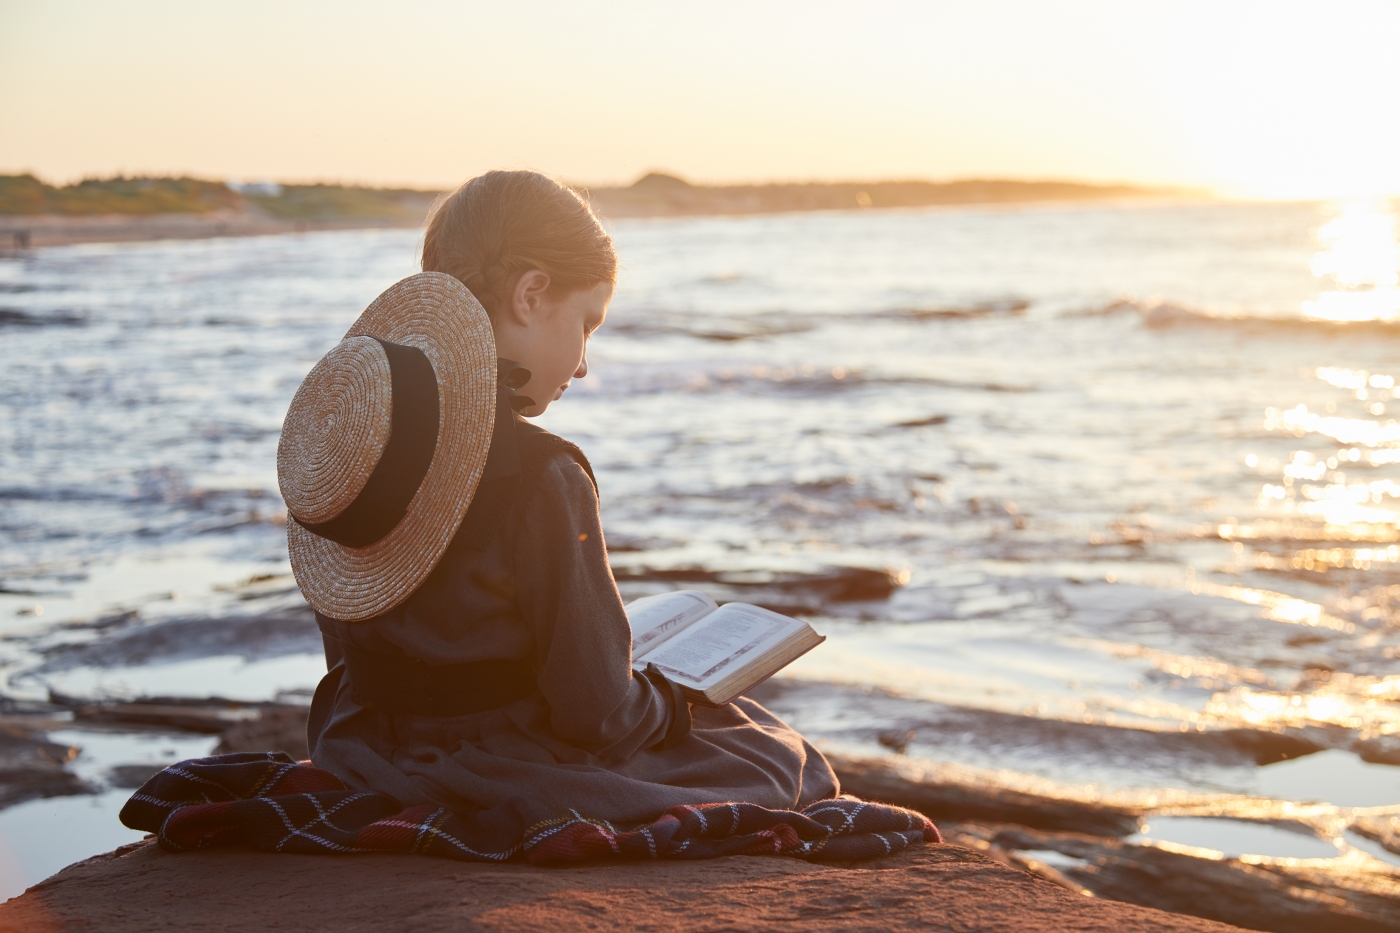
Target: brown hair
(500,225)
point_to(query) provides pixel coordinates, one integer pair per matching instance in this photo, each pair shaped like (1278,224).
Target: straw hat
(384,444)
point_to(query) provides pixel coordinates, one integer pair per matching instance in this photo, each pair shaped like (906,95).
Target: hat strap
(511,377)
(407,454)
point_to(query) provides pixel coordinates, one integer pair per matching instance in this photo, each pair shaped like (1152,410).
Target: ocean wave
(837,379)
(713,328)
(930,421)
(14,317)
(729,327)
(59,494)
(997,307)
(1167,315)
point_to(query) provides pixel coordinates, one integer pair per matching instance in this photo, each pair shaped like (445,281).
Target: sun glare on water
(1333,491)
(1318,486)
(1360,258)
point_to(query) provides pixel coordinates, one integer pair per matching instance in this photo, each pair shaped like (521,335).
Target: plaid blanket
(277,804)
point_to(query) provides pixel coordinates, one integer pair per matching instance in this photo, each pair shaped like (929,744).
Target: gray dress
(542,589)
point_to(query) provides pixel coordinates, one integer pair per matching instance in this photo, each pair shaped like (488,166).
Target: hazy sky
(1255,98)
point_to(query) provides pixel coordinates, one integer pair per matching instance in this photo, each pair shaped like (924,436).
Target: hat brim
(435,313)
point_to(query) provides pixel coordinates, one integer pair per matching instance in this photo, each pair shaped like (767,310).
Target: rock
(1075,843)
(141,888)
(930,421)
(129,642)
(1282,895)
(277,729)
(186,718)
(1379,749)
(790,592)
(130,777)
(242,727)
(874,779)
(32,767)
(1380,827)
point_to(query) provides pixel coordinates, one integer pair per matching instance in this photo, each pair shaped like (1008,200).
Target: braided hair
(500,225)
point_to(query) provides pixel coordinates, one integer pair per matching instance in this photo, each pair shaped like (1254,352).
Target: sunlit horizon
(1340,201)
(1245,99)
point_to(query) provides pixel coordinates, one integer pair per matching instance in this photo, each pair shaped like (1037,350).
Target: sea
(1125,477)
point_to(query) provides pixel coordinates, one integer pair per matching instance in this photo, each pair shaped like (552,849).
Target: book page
(655,619)
(720,644)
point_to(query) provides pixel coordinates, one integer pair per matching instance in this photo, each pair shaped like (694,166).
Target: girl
(506,672)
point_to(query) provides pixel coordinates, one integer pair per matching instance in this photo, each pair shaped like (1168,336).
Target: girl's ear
(527,297)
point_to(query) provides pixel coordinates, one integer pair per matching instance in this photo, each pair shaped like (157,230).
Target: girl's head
(537,259)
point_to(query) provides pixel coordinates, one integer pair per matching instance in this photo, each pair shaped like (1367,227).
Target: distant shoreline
(34,215)
(659,195)
(36,231)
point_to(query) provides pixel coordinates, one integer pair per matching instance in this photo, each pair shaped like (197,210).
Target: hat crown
(336,430)
(336,438)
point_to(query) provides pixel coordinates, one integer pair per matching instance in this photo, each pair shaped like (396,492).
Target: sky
(1270,99)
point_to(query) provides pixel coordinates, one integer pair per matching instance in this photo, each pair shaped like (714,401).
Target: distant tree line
(652,195)
(27,195)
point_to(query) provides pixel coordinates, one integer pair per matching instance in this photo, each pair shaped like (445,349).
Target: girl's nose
(582,367)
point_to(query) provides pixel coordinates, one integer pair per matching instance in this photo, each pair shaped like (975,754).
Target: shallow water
(39,837)
(1142,487)
(1233,838)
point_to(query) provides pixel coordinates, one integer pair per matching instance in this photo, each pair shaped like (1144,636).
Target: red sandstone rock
(142,888)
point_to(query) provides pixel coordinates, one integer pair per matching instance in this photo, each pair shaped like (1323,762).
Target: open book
(714,653)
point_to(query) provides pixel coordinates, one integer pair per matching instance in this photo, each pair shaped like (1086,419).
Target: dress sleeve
(566,594)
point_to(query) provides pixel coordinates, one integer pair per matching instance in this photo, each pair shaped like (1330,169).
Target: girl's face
(548,334)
